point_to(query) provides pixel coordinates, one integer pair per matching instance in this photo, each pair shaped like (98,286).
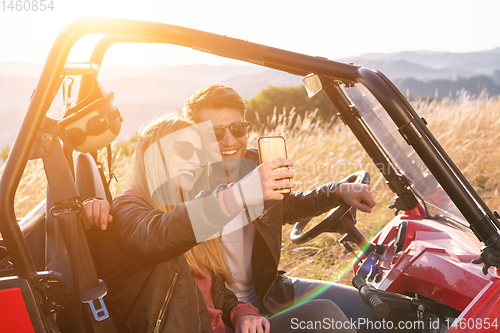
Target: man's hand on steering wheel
(354,192)
(356,195)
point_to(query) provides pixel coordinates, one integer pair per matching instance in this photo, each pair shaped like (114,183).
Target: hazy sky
(329,28)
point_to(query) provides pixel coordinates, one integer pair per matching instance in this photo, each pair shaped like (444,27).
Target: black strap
(69,234)
(59,176)
(109,156)
(100,168)
(105,183)
(111,175)
(66,209)
(67,149)
(92,290)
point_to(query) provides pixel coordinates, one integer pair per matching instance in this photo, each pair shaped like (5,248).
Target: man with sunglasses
(253,252)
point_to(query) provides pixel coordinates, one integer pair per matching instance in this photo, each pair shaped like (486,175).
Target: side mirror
(313,84)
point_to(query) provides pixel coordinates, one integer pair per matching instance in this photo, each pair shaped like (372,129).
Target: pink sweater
(240,310)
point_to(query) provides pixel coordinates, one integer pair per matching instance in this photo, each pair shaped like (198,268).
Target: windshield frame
(416,134)
(402,155)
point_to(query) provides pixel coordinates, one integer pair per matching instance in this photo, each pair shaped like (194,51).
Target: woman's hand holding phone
(263,183)
(274,177)
(272,149)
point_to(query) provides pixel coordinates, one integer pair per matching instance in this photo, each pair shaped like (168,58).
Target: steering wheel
(334,216)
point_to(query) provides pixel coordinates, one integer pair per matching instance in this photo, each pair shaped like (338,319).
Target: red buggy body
(436,264)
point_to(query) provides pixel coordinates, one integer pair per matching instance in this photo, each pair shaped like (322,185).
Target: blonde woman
(162,259)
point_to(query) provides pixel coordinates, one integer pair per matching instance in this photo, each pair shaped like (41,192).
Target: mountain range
(427,65)
(143,91)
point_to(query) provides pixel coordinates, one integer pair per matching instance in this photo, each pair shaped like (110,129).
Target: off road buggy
(417,267)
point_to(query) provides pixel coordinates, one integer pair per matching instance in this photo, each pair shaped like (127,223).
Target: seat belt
(100,168)
(106,183)
(92,290)
(88,288)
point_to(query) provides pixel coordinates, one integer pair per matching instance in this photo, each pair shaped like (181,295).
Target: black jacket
(272,290)
(149,282)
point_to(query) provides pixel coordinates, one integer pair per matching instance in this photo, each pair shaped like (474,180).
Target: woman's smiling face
(187,171)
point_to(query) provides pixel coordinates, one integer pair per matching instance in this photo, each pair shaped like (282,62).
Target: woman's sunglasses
(237,129)
(187,150)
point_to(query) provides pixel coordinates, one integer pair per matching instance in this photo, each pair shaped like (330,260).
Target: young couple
(162,256)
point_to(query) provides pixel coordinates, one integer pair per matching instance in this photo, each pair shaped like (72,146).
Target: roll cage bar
(481,220)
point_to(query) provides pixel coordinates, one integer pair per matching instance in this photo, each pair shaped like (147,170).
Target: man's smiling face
(229,145)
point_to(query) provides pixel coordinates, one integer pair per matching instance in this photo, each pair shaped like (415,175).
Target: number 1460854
(27,5)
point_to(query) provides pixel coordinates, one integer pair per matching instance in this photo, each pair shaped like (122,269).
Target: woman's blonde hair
(151,179)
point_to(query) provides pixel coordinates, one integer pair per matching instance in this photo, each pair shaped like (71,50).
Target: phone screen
(270,148)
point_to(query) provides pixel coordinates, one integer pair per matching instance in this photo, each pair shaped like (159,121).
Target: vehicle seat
(88,179)
(90,185)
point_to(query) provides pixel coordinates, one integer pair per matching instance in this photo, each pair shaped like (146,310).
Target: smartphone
(270,148)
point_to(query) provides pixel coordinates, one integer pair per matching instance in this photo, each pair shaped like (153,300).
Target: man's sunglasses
(187,150)
(237,129)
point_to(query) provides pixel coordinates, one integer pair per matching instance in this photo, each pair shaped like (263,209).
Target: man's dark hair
(213,96)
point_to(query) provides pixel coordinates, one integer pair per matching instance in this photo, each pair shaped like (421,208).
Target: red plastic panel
(483,314)
(435,262)
(14,316)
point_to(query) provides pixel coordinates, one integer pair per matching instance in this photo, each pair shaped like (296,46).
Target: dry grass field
(467,128)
